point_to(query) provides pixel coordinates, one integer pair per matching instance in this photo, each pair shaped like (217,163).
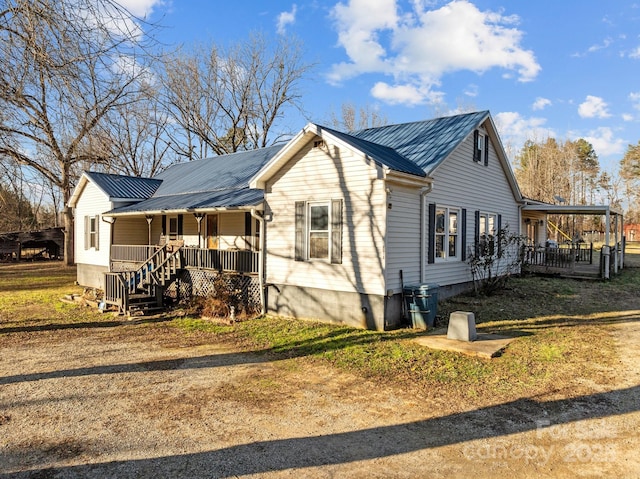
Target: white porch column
(615,247)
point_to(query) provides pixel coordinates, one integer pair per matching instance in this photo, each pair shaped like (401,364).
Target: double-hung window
(487,229)
(319,231)
(447,241)
(318,227)
(91,230)
(480,148)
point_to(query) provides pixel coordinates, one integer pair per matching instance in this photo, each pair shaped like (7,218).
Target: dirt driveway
(115,399)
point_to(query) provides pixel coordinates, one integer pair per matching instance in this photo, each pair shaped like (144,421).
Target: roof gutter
(184,211)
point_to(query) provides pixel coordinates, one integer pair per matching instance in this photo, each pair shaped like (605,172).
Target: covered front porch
(228,241)
(179,253)
(573,253)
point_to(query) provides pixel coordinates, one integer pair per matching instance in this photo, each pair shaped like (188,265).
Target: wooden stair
(141,291)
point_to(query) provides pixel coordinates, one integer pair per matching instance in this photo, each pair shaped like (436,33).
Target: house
(329,225)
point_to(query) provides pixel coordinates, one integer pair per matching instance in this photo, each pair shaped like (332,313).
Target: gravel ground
(118,400)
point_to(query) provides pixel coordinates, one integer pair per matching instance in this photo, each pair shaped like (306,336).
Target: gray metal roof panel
(229,198)
(380,153)
(425,143)
(216,173)
(121,186)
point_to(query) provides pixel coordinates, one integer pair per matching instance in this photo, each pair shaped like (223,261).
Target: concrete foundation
(369,311)
(91,275)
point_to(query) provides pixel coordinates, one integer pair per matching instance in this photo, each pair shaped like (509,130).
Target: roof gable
(425,143)
(381,154)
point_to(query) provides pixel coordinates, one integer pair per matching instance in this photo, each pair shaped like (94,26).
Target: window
(318,231)
(481,148)
(91,230)
(318,228)
(446,232)
(487,227)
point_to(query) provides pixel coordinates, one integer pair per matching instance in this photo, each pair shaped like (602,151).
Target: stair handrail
(160,267)
(145,268)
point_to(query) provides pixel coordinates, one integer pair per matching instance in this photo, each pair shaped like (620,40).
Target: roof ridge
(422,121)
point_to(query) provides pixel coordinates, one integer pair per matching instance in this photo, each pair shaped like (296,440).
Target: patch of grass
(562,328)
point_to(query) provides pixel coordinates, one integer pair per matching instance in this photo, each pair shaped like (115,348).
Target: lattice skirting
(193,282)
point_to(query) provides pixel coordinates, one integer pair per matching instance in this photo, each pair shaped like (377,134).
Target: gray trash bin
(421,303)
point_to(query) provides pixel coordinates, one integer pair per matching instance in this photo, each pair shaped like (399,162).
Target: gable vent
(318,144)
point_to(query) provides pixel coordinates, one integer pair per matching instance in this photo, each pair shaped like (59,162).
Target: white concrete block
(462,326)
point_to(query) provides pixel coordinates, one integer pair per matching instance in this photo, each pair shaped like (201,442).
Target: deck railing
(240,261)
(221,260)
(132,253)
(562,256)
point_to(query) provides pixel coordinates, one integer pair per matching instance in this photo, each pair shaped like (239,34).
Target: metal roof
(120,186)
(228,198)
(382,154)
(217,182)
(231,171)
(425,143)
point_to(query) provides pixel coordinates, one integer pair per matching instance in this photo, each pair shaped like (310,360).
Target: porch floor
(580,270)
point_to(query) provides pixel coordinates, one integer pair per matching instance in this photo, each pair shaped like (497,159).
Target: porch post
(607,227)
(149,219)
(199,217)
(615,247)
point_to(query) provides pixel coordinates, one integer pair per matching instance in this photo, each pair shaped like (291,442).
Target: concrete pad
(485,346)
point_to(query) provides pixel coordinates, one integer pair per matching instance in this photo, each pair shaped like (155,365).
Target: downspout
(424,191)
(261,260)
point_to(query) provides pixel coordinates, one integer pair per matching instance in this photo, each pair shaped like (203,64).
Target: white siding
(323,174)
(461,182)
(92,202)
(403,237)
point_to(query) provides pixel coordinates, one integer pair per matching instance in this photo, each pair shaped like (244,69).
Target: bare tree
(355,118)
(64,65)
(136,136)
(231,99)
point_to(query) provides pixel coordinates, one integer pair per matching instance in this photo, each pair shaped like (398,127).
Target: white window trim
(308,230)
(446,234)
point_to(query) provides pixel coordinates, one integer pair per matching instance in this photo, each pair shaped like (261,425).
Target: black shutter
(164,225)
(499,234)
(431,253)
(463,233)
(247,225)
(180,225)
(476,233)
(336,231)
(300,236)
(476,151)
(486,150)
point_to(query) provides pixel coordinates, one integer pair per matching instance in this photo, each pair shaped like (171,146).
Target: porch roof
(571,209)
(193,202)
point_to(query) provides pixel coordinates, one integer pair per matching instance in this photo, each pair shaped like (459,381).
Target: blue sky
(561,68)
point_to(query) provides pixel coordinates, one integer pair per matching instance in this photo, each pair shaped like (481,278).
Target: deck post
(606,259)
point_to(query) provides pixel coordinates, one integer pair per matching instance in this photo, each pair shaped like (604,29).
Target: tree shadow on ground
(260,457)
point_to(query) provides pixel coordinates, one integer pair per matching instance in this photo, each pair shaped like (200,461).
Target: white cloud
(417,48)
(593,107)
(635,53)
(604,143)
(634,97)
(515,130)
(286,18)
(471,90)
(140,8)
(541,103)
(402,94)
(627,117)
